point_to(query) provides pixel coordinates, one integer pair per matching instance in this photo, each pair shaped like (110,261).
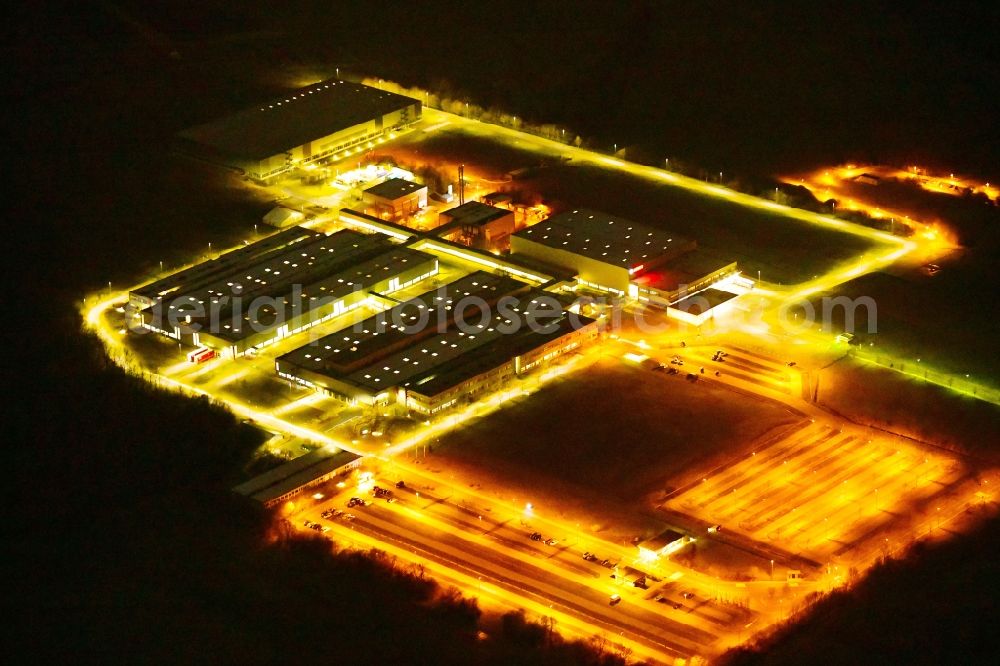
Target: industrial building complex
(510,305)
(514,312)
(269,290)
(318,122)
(612,254)
(264,292)
(455,342)
(438,355)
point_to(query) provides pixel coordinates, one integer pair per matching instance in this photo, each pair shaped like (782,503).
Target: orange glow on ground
(829,494)
(840,184)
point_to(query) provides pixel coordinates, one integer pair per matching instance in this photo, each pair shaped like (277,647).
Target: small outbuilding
(867,179)
(396,198)
(292,478)
(697,308)
(280,217)
(477,225)
(662,545)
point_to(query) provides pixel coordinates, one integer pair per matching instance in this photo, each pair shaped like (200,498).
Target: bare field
(911,407)
(610,433)
(152,351)
(944,320)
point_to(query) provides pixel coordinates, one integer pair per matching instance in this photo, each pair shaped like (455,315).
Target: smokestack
(461,184)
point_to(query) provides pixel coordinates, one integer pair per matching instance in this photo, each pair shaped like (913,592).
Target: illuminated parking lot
(821,492)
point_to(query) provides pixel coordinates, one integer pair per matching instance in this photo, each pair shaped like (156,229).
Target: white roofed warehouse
(612,254)
(446,345)
(269,290)
(323,121)
(605,251)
